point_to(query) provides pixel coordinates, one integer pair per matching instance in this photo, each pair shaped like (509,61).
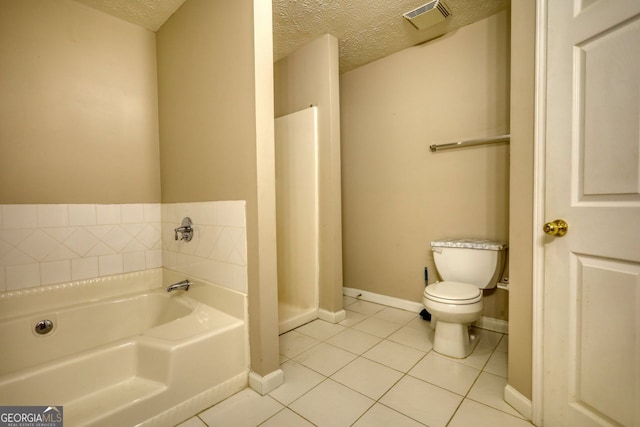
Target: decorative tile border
(49,244)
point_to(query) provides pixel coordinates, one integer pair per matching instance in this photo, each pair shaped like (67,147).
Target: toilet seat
(453,293)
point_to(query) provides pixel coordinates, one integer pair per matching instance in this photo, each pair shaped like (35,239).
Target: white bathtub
(122,350)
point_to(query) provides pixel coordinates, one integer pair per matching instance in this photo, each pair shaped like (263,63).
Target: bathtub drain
(44,326)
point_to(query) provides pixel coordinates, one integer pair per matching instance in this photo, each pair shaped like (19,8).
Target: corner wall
(216,135)
(397,195)
(78,112)
(523,18)
(309,76)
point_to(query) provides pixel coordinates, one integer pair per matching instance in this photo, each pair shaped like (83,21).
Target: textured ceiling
(366,29)
(150,14)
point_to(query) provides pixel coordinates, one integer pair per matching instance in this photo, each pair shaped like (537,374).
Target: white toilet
(466,267)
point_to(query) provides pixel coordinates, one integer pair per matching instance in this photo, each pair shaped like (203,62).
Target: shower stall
(297,210)
(308,184)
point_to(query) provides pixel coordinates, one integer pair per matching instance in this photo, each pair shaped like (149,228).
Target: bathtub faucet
(185,230)
(180,285)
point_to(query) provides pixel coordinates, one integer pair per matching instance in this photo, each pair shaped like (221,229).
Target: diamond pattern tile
(81,241)
(38,245)
(111,239)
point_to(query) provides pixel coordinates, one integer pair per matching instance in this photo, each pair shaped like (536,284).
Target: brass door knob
(559,228)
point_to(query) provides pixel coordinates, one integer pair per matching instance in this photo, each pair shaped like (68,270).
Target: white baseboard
(518,402)
(332,316)
(383,299)
(492,324)
(297,320)
(488,323)
(264,385)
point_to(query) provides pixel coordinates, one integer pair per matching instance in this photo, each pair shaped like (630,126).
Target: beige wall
(216,135)
(521,207)
(263,291)
(309,76)
(206,92)
(78,111)
(397,195)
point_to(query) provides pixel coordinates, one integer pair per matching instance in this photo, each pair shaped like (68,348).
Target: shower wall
(309,76)
(297,217)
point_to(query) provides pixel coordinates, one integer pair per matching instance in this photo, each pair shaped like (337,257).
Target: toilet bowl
(453,306)
(467,267)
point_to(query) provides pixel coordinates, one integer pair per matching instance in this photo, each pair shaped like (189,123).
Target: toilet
(466,267)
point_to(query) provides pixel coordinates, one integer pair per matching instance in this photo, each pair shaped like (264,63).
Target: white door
(592,274)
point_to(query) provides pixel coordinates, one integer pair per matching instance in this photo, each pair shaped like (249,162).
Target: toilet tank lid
(469,244)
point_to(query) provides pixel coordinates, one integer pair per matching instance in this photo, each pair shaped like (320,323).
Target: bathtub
(123,351)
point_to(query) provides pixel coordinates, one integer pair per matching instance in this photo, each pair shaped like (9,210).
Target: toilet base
(453,339)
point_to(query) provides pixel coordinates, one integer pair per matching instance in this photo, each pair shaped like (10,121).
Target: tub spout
(180,285)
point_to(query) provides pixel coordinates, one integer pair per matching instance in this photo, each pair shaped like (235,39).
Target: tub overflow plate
(43,326)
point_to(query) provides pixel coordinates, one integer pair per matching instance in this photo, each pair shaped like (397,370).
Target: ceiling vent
(429,14)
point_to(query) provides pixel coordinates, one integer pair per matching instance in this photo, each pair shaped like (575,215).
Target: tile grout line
(349,363)
(495,349)
(405,374)
(466,395)
(375,401)
(401,325)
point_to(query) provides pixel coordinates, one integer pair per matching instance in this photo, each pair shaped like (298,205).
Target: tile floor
(376,368)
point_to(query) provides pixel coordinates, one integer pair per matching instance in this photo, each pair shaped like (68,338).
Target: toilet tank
(477,262)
